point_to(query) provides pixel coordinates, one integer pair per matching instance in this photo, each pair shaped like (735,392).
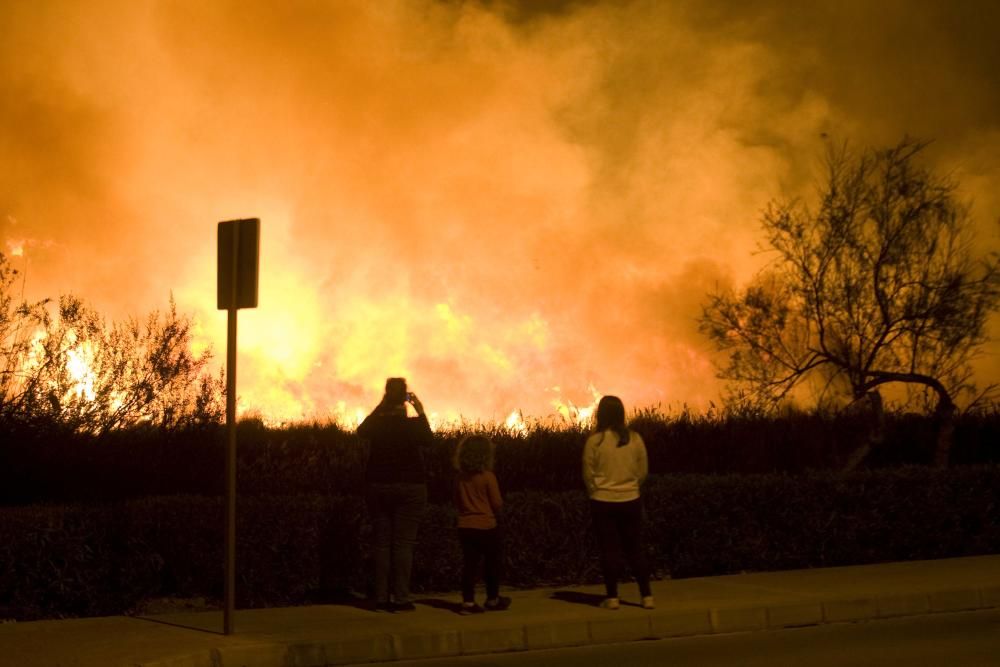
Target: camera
(410,396)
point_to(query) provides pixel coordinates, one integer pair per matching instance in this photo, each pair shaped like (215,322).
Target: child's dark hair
(474,453)
(611,415)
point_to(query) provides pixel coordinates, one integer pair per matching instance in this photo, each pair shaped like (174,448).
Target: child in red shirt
(477,498)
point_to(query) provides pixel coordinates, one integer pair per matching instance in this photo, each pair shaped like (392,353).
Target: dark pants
(396,510)
(619,528)
(477,545)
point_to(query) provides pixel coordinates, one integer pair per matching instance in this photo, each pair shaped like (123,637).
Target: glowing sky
(507,203)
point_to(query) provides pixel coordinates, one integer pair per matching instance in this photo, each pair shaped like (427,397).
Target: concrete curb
(658,624)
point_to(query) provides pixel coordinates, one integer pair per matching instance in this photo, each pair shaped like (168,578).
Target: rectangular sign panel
(239,261)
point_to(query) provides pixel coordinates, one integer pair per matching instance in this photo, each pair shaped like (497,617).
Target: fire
(348,417)
(293,348)
(580,416)
(301,359)
(515,423)
(518,204)
(78,364)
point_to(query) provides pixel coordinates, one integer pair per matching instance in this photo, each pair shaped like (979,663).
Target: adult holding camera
(397,490)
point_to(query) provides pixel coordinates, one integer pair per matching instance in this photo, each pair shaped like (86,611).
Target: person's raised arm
(424,426)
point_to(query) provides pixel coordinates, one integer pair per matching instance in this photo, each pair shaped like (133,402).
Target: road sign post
(237,278)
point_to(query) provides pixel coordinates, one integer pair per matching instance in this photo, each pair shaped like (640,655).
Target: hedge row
(108,558)
(41,466)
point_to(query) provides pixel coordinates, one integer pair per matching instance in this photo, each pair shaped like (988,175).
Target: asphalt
(538,618)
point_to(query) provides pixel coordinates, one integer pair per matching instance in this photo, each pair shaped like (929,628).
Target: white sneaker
(609,603)
(648,602)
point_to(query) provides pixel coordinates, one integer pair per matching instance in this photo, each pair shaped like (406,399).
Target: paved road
(965,639)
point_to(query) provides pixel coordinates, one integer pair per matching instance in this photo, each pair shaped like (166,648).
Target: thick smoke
(509,203)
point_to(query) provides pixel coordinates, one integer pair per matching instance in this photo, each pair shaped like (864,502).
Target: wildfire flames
(79,369)
(517,206)
(80,356)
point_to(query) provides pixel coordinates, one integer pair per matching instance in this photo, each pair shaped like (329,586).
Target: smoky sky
(508,202)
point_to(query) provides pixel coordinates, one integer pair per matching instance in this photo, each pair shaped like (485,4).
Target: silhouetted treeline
(55,464)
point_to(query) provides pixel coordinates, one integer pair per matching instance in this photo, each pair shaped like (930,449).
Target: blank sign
(239,253)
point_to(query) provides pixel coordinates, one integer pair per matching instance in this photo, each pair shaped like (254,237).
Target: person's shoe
(469,608)
(404,606)
(383,607)
(648,602)
(497,604)
(609,603)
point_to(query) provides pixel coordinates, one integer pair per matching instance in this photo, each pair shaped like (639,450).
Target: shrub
(107,558)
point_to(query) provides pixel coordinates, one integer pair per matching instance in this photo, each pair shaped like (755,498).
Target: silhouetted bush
(108,558)
(64,368)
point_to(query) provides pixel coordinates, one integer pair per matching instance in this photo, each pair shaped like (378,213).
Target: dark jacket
(396,441)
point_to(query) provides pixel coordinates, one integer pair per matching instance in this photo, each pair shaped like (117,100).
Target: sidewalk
(539,618)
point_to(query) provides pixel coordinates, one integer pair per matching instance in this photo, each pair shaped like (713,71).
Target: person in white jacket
(614,468)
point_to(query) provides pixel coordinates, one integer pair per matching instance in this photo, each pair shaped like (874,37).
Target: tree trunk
(944,412)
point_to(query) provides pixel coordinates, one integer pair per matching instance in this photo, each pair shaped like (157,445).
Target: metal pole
(230,584)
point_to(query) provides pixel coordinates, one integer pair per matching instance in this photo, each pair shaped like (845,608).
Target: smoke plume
(512,204)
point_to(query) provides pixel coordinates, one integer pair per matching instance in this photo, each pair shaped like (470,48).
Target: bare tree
(878,285)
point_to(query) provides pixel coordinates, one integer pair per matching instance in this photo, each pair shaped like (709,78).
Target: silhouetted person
(477,499)
(614,468)
(397,490)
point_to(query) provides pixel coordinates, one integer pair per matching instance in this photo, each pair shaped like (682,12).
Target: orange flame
(515,423)
(574,414)
(78,364)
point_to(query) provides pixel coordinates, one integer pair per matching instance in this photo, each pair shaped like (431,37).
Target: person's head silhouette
(611,415)
(394,399)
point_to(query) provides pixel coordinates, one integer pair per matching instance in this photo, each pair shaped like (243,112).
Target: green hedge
(108,558)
